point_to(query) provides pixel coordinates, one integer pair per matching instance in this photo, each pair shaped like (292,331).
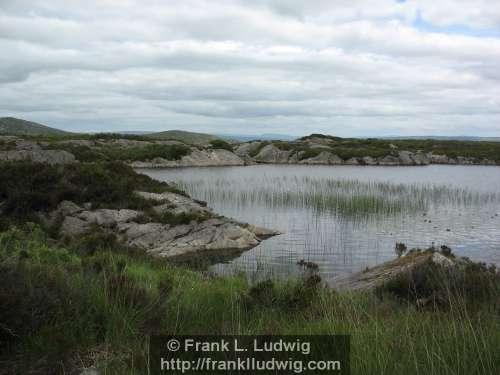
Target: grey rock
(406,158)
(175,203)
(272,154)
(73,226)
(197,158)
(66,208)
(439,159)
(368,160)
(107,217)
(421,158)
(40,156)
(352,161)
(389,160)
(440,259)
(324,157)
(245,149)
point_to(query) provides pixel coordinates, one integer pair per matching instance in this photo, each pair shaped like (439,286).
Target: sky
(341,67)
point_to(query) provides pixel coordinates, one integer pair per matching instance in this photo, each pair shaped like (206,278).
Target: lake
(347,218)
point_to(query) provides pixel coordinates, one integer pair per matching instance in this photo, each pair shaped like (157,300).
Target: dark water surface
(345,218)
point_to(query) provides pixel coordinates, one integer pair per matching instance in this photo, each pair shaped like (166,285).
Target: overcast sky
(343,67)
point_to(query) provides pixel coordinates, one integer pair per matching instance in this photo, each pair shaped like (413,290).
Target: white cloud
(344,67)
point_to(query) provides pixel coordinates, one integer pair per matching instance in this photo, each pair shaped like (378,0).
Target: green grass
(14,126)
(183,136)
(220,144)
(61,311)
(148,152)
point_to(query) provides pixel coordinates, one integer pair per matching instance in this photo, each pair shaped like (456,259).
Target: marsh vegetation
(348,218)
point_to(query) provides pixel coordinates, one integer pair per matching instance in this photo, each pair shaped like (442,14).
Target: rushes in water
(347,197)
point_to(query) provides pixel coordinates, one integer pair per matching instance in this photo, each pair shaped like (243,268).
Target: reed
(346,197)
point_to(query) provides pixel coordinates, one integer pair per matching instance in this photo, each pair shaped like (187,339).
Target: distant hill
(15,126)
(183,136)
(257,137)
(447,138)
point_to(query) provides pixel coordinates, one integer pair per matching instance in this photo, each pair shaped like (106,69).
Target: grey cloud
(225,66)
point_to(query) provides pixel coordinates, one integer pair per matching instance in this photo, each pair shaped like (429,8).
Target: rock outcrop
(161,239)
(272,154)
(21,149)
(197,158)
(378,275)
(324,157)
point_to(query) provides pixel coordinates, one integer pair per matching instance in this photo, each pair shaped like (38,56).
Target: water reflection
(346,218)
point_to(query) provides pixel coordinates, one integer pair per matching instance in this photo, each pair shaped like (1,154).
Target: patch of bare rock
(159,239)
(375,277)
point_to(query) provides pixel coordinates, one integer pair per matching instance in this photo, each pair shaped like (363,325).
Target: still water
(347,218)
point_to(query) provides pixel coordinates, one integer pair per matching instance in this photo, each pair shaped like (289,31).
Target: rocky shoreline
(210,233)
(313,151)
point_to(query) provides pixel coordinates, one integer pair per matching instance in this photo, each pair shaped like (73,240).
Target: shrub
(439,286)
(400,249)
(149,152)
(220,144)
(309,152)
(183,218)
(26,187)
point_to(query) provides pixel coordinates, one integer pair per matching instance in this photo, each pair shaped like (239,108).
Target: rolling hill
(183,136)
(15,126)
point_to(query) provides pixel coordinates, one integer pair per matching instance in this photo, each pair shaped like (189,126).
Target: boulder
(246,149)
(389,160)
(197,158)
(421,158)
(368,160)
(107,217)
(439,159)
(324,157)
(73,226)
(175,203)
(352,161)
(272,154)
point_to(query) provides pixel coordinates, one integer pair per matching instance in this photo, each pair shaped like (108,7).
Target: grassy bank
(64,308)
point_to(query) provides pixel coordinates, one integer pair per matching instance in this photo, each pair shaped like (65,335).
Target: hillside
(183,136)
(12,125)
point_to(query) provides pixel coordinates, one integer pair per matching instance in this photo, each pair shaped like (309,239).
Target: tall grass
(98,310)
(348,197)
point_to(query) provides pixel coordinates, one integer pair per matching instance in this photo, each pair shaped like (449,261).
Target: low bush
(149,152)
(221,144)
(440,286)
(26,188)
(183,218)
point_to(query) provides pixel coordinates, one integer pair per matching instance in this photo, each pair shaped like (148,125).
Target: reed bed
(341,196)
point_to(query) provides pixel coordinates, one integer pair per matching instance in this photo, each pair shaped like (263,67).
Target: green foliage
(400,249)
(14,126)
(309,152)
(220,144)
(26,187)
(439,286)
(183,218)
(284,146)
(256,150)
(347,148)
(61,311)
(149,152)
(296,296)
(183,136)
